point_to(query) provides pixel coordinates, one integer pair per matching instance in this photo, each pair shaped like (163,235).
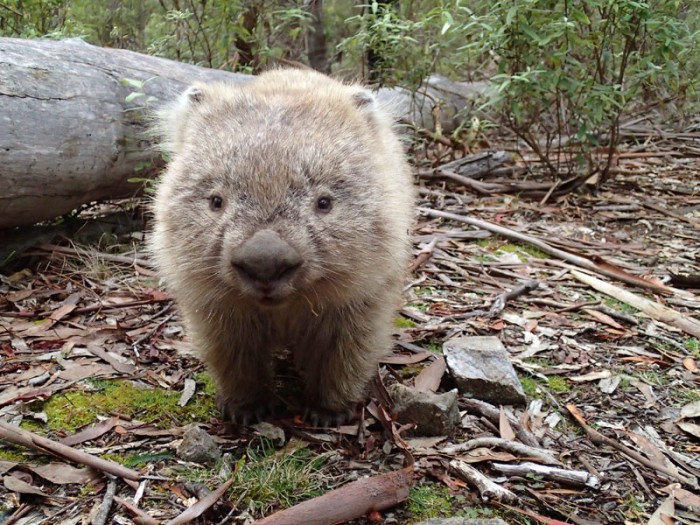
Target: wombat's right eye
(216,202)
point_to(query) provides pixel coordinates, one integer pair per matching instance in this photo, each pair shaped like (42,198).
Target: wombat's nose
(266,258)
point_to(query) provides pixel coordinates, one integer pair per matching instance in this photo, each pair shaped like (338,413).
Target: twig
(603,268)
(511,446)
(21,511)
(652,309)
(141,517)
(103,513)
(491,412)
(572,477)
(34,441)
(65,250)
(488,490)
(500,302)
(423,255)
(202,505)
(599,439)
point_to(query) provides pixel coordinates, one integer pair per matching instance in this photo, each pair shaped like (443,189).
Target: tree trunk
(316,38)
(67,134)
(69,137)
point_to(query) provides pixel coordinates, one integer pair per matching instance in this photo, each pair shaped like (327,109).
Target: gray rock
(271,432)
(197,446)
(462,521)
(481,368)
(434,414)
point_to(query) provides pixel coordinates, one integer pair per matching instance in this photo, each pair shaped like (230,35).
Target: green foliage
(411,39)
(567,71)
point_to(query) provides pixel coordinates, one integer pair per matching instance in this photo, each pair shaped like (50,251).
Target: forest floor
(93,355)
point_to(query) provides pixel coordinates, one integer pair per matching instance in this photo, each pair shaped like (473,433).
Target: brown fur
(270,149)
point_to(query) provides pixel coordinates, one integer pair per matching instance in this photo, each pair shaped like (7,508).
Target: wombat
(282,222)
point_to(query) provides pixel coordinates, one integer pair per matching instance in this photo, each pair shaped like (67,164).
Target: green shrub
(568,71)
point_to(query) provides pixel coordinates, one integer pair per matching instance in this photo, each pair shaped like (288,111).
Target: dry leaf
(592,376)
(690,428)
(689,364)
(14,484)
(664,513)
(690,410)
(91,433)
(187,392)
(64,474)
(504,427)
(429,378)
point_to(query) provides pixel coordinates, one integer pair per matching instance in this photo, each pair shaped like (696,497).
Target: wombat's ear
(363,99)
(172,121)
(366,103)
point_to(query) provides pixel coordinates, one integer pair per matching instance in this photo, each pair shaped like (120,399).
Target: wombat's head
(276,190)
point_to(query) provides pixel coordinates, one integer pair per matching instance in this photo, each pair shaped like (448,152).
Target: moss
(558,384)
(531,387)
(429,501)
(12,453)
(207,382)
(433,347)
(70,411)
(693,345)
(619,305)
(402,322)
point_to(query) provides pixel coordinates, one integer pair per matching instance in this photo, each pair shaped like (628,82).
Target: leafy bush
(568,71)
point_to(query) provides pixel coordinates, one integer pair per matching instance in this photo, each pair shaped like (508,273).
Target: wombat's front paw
(245,413)
(326,417)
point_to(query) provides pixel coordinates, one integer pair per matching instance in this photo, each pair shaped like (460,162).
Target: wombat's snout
(265,260)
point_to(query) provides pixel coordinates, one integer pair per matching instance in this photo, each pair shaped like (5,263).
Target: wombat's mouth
(267,300)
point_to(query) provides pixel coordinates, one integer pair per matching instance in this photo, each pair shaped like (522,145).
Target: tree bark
(68,135)
(316,39)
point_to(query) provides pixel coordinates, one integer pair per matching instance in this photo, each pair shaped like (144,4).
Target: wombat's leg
(339,357)
(241,363)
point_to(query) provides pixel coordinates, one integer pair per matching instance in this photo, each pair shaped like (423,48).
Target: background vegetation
(566,73)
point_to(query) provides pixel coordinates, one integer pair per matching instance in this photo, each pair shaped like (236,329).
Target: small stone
(433,414)
(198,446)
(271,432)
(481,368)
(462,521)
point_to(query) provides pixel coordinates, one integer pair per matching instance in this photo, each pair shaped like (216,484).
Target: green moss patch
(72,410)
(429,501)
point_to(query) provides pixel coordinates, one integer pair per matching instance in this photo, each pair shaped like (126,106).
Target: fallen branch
(348,502)
(603,268)
(494,414)
(34,441)
(488,490)
(570,477)
(202,505)
(500,301)
(510,446)
(599,439)
(652,309)
(103,513)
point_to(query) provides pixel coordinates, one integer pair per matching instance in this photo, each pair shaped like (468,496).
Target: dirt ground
(93,355)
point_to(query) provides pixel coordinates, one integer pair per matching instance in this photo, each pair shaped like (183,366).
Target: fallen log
(73,118)
(68,136)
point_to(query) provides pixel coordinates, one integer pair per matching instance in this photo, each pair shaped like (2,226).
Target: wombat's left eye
(324,204)
(216,202)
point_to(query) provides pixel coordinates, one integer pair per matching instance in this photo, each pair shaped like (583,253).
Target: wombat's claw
(247,413)
(325,417)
